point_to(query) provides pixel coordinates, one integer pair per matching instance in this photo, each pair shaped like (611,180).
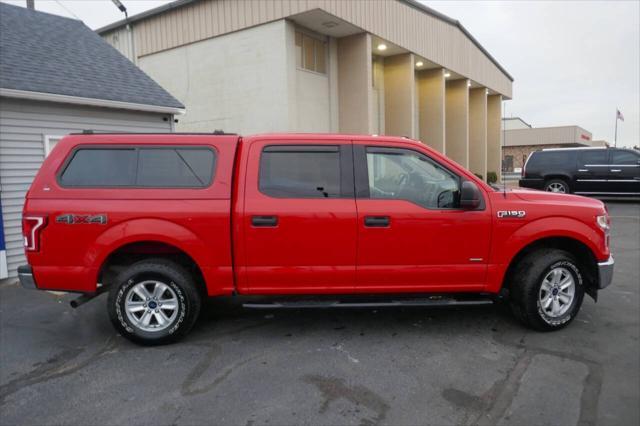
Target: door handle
(583,170)
(264,221)
(376,221)
(616,170)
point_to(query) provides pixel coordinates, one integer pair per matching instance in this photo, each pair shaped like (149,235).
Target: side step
(326,304)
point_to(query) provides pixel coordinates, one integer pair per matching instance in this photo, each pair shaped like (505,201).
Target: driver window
(405,175)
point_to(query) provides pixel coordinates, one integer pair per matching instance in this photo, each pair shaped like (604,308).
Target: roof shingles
(46,53)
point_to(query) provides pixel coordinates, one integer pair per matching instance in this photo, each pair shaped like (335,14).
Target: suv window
(593,157)
(624,157)
(407,175)
(300,171)
(140,167)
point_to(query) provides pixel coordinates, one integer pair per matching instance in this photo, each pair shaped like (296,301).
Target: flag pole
(615,135)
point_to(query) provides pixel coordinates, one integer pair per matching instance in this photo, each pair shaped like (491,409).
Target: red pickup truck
(161,221)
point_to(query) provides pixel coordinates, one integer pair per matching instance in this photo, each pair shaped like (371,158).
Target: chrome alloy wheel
(151,305)
(556,292)
(556,187)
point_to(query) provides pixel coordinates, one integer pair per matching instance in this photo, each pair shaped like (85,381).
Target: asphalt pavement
(446,366)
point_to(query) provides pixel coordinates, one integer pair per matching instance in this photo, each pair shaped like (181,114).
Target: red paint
(320,246)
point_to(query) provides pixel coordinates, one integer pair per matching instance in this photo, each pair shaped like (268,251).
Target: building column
(494,135)
(354,84)
(399,95)
(431,101)
(457,121)
(478,131)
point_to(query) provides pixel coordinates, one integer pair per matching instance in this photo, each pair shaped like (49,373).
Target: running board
(326,304)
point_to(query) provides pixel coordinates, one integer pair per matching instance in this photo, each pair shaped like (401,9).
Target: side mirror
(470,197)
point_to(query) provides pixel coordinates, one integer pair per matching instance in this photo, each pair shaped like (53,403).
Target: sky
(573,62)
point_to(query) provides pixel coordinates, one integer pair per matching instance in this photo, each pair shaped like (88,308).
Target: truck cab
(161,222)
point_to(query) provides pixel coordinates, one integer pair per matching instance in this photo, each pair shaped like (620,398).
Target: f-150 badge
(511,213)
(78,219)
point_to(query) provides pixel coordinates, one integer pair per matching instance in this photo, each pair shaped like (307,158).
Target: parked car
(586,171)
(161,222)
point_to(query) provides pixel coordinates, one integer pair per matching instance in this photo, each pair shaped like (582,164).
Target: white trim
(47,142)
(4,271)
(53,97)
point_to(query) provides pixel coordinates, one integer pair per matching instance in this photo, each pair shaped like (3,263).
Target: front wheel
(547,289)
(557,185)
(153,302)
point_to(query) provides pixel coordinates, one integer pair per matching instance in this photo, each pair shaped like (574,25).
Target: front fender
(548,227)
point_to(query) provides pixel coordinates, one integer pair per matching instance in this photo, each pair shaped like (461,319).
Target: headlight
(603,222)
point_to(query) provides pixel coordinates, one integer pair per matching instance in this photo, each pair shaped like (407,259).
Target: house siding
(23,127)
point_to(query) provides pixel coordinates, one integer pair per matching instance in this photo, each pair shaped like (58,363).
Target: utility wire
(65,8)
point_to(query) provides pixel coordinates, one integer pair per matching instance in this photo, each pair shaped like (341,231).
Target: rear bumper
(25,275)
(605,272)
(534,183)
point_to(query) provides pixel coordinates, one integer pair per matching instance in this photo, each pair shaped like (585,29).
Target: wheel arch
(582,252)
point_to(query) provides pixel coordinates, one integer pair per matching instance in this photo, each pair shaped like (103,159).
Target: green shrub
(479,175)
(492,177)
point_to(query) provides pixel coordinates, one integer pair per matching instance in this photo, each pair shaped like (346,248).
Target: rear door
(593,171)
(624,172)
(299,220)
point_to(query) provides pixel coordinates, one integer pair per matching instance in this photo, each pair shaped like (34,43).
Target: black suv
(588,171)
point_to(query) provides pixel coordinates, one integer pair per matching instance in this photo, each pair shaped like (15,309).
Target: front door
(299,219)
(624,172)
(413,237)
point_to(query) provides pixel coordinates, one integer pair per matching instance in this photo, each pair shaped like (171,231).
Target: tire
(142,319)
(533,283)
(557,185)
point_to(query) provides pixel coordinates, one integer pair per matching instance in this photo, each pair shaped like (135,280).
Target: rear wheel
(154,301)
(547,289)
(557,185)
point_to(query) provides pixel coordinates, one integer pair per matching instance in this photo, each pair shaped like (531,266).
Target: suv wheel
(557,185)
(154,301)
(547,289)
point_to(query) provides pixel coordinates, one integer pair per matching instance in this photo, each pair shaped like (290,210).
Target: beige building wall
(440,41)
(494,135)
(548,136)
(478,131)
(225,82)
(457,121)
(399,95)
(377,95)
(355,98)
(431,108)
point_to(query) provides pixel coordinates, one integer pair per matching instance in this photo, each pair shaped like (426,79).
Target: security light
(419,64)
(120,6)
(447,74)
(468,83)
(382,47)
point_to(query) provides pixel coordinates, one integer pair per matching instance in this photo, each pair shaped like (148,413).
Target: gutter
(105,103)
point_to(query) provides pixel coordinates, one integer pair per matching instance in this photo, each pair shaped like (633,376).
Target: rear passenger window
(140,167)
(300,172)
(101,167)
(594,157)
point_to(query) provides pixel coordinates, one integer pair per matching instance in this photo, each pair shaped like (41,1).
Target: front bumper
(25,275)
(605,273)
(533,183)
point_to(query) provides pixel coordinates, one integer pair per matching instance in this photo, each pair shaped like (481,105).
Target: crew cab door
(413,237)
(299,219)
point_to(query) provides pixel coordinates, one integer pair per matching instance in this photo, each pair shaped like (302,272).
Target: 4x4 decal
(79,219)
(511,213)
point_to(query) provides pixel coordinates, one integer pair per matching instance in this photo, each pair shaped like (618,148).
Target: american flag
(619,115)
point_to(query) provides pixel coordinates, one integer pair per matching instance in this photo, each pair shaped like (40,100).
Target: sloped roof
(50,54)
